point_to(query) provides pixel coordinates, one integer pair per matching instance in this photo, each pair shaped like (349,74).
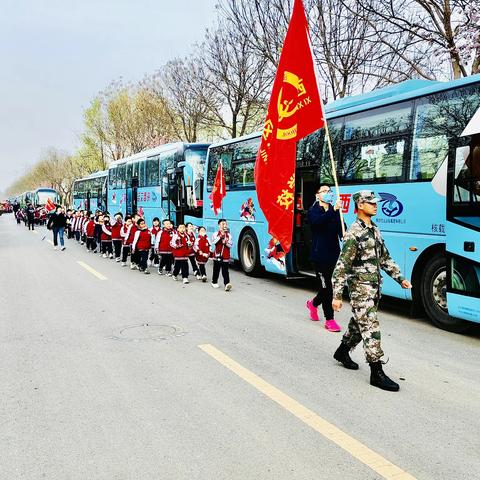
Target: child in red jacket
(154,231)
(106,237)
(142,242)
(179,243)
(127,239)
(191,242)
(117,239)
(222,241)
(202,253)
(90,233)
(164,249)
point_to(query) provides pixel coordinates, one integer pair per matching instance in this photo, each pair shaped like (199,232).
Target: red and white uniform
(162,241)
(222,242)
(117,229)
(90,229)
(191,244)
(179,244)
(142,240)
(128,233)
(202,249)
(106,233)
(154,232)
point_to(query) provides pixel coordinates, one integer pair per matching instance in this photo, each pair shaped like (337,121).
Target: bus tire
(249,254)
(433,295)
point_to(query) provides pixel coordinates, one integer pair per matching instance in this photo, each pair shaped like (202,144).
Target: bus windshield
(44,195)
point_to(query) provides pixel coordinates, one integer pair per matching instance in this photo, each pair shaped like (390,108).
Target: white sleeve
(215,238)
(135,239)
(173,241)
(196,248)
(158,237)
(229,241)
(106,231)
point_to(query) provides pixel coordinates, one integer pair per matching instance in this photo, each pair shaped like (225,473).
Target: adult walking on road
(363,255)
(30,211)
(57,223)
(326,224)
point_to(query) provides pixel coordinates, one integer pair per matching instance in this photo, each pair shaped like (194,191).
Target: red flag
(295,111)
(219,189)
(49,206)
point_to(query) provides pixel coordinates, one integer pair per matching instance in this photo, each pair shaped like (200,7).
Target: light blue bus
(164,182)
(90,193)
(397,141)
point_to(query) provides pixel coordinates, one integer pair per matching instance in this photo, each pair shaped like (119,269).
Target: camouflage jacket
(362,257)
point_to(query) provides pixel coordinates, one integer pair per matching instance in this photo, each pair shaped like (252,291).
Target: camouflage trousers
(364,326)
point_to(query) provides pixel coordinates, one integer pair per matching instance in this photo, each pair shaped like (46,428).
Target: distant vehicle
(40,196)
(90,193)
(397,141)
(165,181)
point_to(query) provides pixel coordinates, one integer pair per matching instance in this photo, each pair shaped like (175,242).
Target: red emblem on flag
(219,190)
(295,111)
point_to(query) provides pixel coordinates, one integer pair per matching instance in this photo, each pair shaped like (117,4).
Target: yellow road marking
(91,270)
(355,448)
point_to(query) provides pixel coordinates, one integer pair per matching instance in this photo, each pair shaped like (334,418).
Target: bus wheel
(434,296)
(250,254)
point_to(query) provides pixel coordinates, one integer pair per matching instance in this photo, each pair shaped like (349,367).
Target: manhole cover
(147,331)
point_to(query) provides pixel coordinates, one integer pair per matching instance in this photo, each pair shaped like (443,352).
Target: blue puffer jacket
(326,232)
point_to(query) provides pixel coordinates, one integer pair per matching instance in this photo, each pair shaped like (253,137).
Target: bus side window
(128,175)
(111,177)
(142,180)
(152,172)
(225,155)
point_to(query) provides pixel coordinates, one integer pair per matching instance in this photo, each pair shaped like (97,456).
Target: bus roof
(157,150)
(399,92)
(102,173)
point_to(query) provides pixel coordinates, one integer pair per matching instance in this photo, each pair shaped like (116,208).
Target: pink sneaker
(332,326)
(313,311)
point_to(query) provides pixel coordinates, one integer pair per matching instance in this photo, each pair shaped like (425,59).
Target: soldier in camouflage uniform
(363,255)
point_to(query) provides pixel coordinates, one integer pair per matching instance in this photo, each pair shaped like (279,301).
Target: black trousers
(117,247)
(193,263)
(202,269)
(91,243)
(223,266)
(166,260)
(31,224)
(77,235)
(142,259)
(125,253)
(107,247)
(181,265)
(69,232)
(135,258)
(153,256)
(324,296)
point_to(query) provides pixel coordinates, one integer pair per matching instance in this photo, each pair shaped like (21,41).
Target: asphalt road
(85,397)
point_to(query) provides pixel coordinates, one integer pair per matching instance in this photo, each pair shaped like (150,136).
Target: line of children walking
(171,250)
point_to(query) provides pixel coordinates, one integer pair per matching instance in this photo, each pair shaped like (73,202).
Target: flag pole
(334,172)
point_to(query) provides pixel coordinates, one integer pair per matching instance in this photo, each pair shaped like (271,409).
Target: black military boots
(342,356)
(380,380)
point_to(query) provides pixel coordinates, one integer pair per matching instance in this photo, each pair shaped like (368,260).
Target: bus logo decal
(391,206)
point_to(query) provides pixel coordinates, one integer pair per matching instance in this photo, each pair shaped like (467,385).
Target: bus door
(463,226)
(306,180)
(131,205)
(87,201)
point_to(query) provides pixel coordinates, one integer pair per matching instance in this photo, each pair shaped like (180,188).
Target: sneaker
(156,265)
(196,273)
(160,272)
(204,279)
(228,287)
(141,270)
(168,274)
(55,248)
(174,277)
(82,243)
(110,256)
(147,272)
(313,311)
(133,267)
(149,263)
(95,251)
(332,326)
(123,264)
(104,255)
(117,259)
(63,248)
(185,281)
(198,277)
(214,285)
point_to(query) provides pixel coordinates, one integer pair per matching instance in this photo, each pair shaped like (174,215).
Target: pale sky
(56,55)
